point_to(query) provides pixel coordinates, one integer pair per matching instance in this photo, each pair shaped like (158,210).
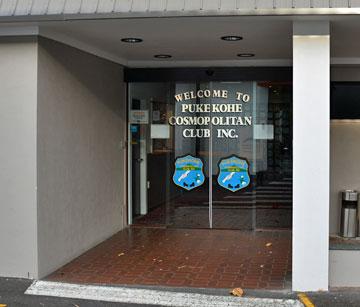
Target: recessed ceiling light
(162,56)
(246,55)
(231,38)
(131,40)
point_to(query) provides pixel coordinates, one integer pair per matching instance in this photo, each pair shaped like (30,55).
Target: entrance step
(141,296)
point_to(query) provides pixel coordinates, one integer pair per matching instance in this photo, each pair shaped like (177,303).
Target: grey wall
(81,155)
(344,151)
(344,270)
(18,234)
(345,166)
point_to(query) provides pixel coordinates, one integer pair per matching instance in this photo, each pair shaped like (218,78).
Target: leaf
(237,292)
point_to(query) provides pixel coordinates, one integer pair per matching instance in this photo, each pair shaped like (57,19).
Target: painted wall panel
(284,4)
(302,3)
(246,4)
(215,4)
(7,7)
(123,6)
(72,7)
(157,5)
(105,6)
(23,7)
(174,5)
(139,5)
(56,6)
(18,208)
(339,3)
(89,6)
(344,268)
(39,7)
(265,4)
(321,3)
(81,153)
(193,5)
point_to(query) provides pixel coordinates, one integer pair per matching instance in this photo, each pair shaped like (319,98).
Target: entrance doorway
(210,154)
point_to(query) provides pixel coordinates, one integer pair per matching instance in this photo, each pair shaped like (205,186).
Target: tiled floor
(186,258)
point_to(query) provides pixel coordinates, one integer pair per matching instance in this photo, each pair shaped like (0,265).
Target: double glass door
(210,155)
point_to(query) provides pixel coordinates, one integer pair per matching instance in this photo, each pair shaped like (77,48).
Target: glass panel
(169,171)
(264,148)
(274,172)
(233,172)
(234,158)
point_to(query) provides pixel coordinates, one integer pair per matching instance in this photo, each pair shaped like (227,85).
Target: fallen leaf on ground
(121,254)
(268,244)
(237,292)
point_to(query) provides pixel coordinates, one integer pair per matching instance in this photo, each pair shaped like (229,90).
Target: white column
(311,123)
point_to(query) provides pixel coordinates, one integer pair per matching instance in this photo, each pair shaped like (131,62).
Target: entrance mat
(148,296)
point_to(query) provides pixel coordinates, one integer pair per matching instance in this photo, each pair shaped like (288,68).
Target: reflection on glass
(175,164)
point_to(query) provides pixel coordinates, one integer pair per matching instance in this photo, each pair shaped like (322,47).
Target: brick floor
(186,258)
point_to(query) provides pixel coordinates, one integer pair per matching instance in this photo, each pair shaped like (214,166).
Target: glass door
(210,155)
(169,158)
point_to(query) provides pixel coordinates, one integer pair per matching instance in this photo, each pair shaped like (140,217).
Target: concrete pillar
(311,124)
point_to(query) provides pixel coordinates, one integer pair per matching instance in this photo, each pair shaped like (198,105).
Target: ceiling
(196,40)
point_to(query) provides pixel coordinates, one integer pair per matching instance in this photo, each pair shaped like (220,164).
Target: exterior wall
(344,268)
(81,153)
(345,166)
(345,152)
(18,234)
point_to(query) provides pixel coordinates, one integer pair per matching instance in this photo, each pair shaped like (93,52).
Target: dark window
(345,100)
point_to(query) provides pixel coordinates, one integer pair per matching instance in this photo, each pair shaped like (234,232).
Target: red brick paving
(186,258)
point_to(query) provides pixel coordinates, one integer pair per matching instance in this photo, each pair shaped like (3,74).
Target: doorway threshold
(161,297)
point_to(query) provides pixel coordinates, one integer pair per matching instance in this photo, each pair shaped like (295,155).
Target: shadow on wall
(92,72)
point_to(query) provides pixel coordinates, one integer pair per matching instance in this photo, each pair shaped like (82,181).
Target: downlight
(162,56)
(131,40)
(231,38)
(246,55)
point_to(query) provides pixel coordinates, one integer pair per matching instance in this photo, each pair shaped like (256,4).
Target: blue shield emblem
(188,172)
(233,173)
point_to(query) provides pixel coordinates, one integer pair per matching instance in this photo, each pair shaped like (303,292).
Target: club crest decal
(233,173)
(188,172)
